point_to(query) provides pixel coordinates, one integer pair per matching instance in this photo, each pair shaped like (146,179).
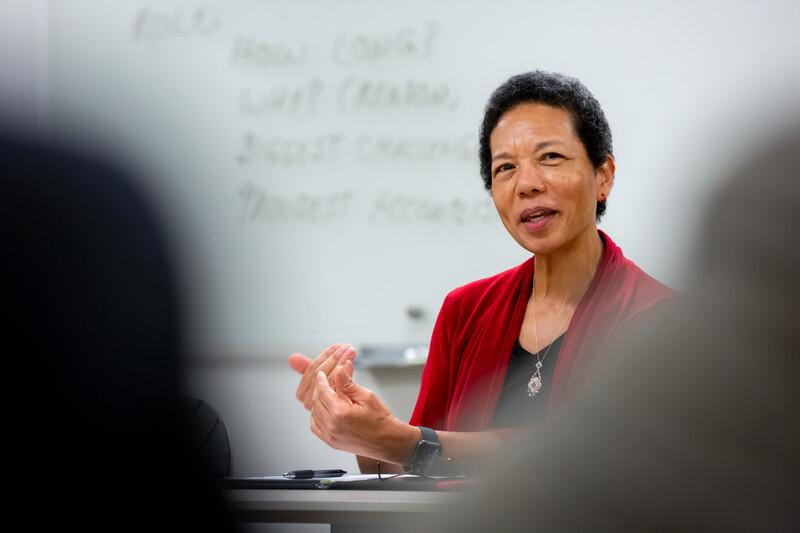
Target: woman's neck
(563,276)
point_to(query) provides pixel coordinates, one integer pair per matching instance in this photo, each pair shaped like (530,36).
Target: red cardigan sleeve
(437,384)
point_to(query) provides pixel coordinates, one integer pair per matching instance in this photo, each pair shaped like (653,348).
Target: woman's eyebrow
(501,155)
(545,144)
(539,146)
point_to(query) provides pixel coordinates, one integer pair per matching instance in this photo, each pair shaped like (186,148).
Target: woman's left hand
(352,418)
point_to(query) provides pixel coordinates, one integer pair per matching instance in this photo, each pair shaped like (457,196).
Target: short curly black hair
(556,90)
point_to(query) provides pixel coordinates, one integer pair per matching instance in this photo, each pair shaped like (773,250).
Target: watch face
(425,456)
(432,459)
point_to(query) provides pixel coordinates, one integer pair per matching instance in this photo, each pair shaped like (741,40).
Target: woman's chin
(538,245)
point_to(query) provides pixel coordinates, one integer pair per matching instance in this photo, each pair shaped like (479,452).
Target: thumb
(299,362)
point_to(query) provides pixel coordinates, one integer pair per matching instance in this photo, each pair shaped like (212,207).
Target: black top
(515,408)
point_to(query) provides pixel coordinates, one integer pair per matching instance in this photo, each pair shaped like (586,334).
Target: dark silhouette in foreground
(98,433)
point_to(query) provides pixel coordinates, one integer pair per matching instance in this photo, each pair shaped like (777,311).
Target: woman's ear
(605,175)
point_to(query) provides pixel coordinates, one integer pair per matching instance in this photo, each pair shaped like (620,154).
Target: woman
(705,437)
(519,342)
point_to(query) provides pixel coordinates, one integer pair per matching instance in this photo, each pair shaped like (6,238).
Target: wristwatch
(426,454)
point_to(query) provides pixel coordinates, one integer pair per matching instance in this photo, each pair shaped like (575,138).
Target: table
(348,511)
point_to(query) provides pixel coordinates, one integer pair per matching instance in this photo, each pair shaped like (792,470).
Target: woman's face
(543,184)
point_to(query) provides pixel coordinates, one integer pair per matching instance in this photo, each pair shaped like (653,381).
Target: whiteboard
(319,159)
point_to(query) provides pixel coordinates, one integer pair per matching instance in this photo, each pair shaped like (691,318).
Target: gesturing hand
(352,418)
(331,357)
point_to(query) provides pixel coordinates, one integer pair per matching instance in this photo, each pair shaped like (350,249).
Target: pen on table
(308,474)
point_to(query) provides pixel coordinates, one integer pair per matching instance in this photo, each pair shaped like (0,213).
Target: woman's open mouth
(537,218)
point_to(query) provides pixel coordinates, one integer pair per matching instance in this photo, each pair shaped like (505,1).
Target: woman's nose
(529,180)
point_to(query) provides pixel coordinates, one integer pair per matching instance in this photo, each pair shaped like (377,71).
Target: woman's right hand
(331,357)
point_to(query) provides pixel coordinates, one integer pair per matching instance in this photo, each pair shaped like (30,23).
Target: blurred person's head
(92,328)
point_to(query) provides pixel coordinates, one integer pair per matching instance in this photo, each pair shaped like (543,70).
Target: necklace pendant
(534,386)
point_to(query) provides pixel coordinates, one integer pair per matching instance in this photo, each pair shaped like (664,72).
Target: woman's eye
(502,168)
(552,156)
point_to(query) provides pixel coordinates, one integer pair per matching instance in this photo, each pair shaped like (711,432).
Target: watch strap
(427,452)
(429,435)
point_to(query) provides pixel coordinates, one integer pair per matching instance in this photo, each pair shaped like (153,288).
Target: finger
(349,354)
(303,392)
(314,398)
(299,362)
(324,356)
(342,380)
(355,392)
(332,378)
(327,365)
(328,357)
(349,383)
(335,359)
(308,375)
(316,408)
(319,411)
(323,408)
(349,368)
(326,395)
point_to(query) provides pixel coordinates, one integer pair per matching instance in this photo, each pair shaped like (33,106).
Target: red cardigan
(479,323)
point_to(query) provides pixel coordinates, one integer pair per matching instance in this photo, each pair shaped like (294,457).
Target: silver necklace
(535,383)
